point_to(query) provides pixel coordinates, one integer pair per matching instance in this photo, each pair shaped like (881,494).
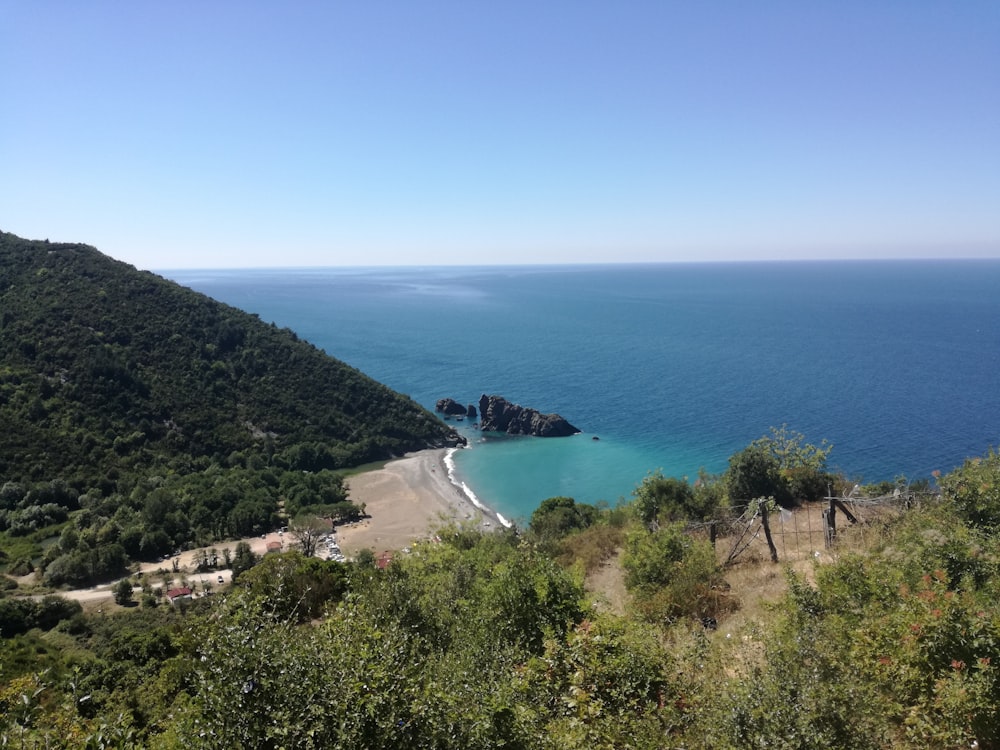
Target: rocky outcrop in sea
(450,406)
(497,414)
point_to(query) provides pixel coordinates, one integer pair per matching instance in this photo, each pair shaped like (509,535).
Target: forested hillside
(105,366)
(115,383)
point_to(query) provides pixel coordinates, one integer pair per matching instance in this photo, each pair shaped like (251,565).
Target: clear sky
(235,134)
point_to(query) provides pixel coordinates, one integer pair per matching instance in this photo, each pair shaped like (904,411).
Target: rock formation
(499,415)
(449,406)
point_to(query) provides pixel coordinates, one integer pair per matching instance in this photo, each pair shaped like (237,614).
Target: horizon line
(580,264)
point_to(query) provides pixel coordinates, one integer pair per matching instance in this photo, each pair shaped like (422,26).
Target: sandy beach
(406,501)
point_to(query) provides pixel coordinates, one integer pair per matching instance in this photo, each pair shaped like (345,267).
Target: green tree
(307,530)
(365,558)
(556,517)
(69,538)
(295,587)
(802,464)
(423,655)
(243,559)
(755,472)
(122,591)
(668,499)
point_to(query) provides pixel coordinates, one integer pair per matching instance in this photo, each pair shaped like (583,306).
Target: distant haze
(258,134)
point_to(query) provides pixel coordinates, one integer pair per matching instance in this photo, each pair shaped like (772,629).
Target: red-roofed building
(183,592)
(383,560)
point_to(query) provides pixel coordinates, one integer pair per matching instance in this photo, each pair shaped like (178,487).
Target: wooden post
(830,523)
(843,509)
(712,533)
(767,532)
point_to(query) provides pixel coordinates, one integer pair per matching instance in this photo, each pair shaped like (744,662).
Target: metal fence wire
(763,529)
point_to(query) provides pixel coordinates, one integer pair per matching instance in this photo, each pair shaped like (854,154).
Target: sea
(664,367)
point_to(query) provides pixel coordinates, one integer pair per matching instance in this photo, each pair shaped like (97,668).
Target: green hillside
(105,366)
(110,376)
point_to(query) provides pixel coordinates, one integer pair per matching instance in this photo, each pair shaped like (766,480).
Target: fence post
(830,522)
(767,532)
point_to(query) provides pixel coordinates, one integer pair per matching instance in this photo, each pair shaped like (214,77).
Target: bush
(878,653)
(668,500)
(21,567)
(754,472)
(294,587)
(974,489)
(672,574)
(558,516)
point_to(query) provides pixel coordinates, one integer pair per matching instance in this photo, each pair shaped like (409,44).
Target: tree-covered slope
(105,369)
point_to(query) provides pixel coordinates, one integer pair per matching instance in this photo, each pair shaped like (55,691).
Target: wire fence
(810,530)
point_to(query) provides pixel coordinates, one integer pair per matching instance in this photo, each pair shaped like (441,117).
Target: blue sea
(672,366)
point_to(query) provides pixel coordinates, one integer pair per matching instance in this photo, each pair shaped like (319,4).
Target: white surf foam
(449,464)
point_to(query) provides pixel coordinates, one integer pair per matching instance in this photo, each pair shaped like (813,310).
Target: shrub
(974,489)
(21,567)
(558,516)
(668,499)
(672,574)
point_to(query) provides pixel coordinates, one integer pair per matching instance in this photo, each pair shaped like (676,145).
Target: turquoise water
(672,366)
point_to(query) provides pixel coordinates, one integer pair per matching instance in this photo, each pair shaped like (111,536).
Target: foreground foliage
(879,653)
(484,641)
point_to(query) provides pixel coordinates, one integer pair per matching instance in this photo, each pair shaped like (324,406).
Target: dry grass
(591,548)
(799,539)
(754,581)
(606,586)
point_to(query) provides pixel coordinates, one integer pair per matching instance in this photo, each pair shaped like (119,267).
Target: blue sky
(239,134)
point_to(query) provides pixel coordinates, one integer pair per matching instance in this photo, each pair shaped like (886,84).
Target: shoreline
(407,500)
(466,490)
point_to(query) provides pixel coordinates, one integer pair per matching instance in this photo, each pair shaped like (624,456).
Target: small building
(382,561)
(273,547)
(182,592)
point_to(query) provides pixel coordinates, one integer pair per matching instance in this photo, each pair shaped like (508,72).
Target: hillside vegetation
(890,638)
(169,418)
